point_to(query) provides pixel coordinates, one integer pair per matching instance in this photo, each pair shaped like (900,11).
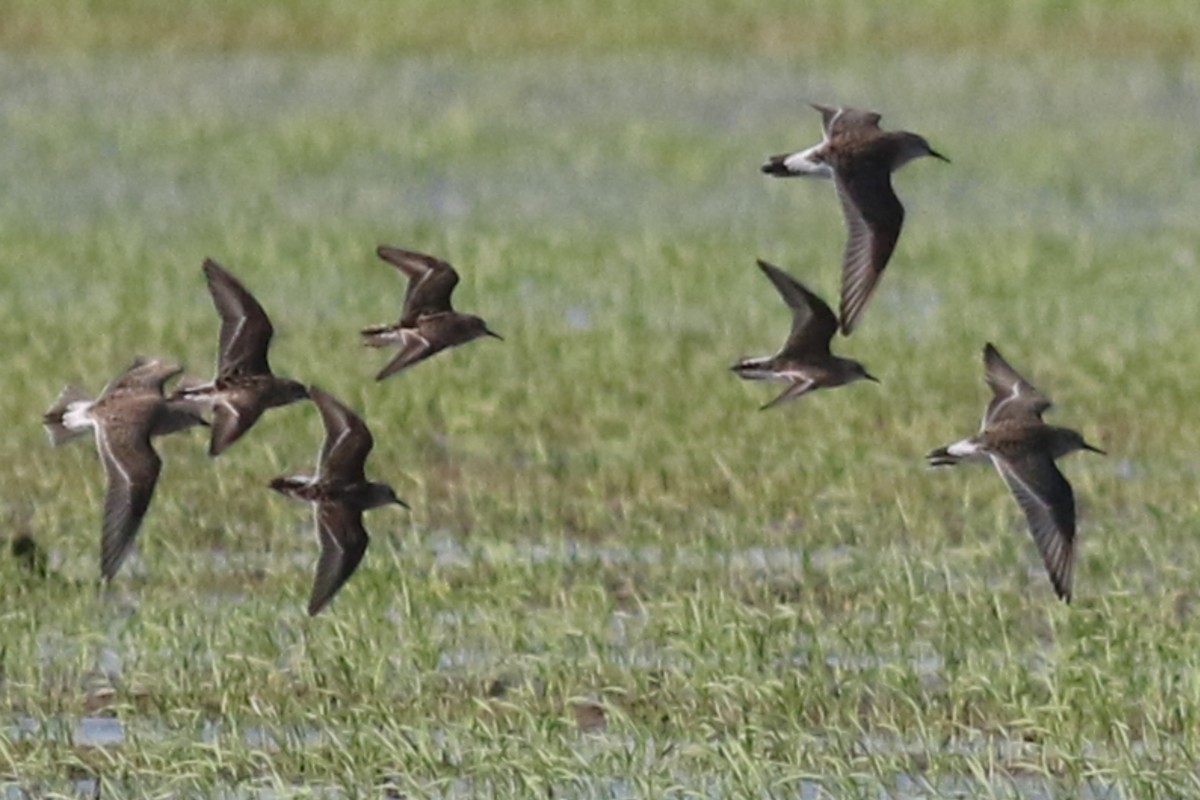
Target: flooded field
(618,578)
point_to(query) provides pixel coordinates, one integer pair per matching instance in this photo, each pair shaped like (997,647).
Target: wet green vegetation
(618,579)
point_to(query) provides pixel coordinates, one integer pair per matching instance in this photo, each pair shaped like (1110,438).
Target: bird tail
(380,336)
(58,432)
(777,166)
(942,457)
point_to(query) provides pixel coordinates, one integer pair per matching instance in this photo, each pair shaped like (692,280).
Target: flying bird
(129,412)
(340,493)
(1023,449)
(805,362)
(428,323)
(244,386)
(860,157)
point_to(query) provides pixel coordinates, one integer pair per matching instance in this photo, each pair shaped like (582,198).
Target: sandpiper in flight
(860,158)
(1023,449)
(129,411)
(340,493)
(244,386)
(428,323)
(805,361)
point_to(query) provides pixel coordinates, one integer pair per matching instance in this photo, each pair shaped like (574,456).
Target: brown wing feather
(873,216)
(414,348)
(149,374)
(343,542)
(430,282)
(245,328)
(813,322)
(231,419)
(793,392)
(827,115)
(1013,397)
(132,468)
(347,440)
(1049,505)
(850,121)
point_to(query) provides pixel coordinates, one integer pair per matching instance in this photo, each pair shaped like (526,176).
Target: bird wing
(347,440)
(1013,397)
(801,387)
(873,216)
(430,282)
(413,348)
(1049,505)
(828,115)
(813,322)
(230,420)
(343,542)
(245,328)
(144,374)
(847,120)
(132,468)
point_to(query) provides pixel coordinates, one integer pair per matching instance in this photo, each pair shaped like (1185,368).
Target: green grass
(826,28)
(764,604)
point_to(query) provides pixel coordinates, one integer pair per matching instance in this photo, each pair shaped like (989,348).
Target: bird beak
(400,502)
(493,334)
(871,377)
(1087,446)
(938,155)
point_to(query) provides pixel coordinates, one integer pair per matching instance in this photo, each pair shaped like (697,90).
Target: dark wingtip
(1063,592)
(215,448)
(211,267)
(391,254)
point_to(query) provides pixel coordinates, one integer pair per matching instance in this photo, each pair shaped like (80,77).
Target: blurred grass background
(713,27)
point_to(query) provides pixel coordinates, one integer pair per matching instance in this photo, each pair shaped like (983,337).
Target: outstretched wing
(143,375)
(343,542)
(813,322)
(132,468)
(1013,397)
(430,282)
(414,347)
(1049,505)
(245,329)
(347,440)
(873,217)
